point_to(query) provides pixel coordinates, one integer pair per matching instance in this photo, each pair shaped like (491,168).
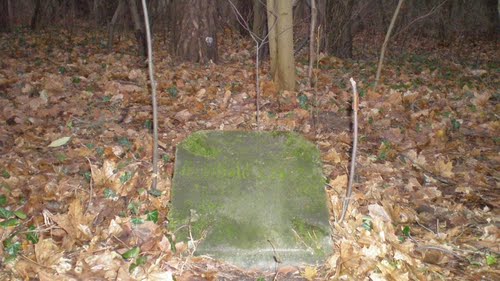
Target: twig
(429,173)
(440,249)
(276,260)
(123,243)
(425,227)
(386,41)
(315,110)
(354,149)
(153,97)
(34,262)
(91,188)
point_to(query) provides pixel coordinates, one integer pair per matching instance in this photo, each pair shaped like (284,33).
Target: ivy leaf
(20,214)
(9,222)
(133,207)
(303,99)
(137,221)
(124,142)
(132,253)
(3,200)
(32,235)
(154,192)
(148,124)
(367,223)
(141,260)
(125,177)
(406,231)
(455,124)
(172,91)
(12,248)
(491,260)
(110,194)
(152,216)
(5,214)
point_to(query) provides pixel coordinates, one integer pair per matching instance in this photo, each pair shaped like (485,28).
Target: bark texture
(338,19)
(280,25)
(195,30)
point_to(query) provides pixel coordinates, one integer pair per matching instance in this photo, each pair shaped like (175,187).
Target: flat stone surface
(251,198)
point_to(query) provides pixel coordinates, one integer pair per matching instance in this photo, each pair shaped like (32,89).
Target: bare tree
(386,41)
(259,43)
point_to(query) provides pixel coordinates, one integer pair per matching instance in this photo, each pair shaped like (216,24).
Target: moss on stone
(197,144)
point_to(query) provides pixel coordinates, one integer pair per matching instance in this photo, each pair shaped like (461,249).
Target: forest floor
(75,162)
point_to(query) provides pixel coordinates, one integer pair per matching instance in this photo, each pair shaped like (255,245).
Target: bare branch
(354,149)
(386,41)
(153,97)
(432,11)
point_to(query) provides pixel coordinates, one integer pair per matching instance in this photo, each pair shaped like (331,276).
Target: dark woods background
(340,20)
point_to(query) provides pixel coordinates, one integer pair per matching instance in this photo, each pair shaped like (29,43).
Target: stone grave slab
(251,198)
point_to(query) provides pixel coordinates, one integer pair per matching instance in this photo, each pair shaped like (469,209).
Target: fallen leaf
(377,211)
(183,115)
(444,168)
(339,181)
(60,142)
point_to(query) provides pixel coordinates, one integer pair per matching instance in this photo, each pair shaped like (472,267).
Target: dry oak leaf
(332,156)
(105,174)
(225,99)
(107,261)
(444,168)
(377,211)
(481,99)
(75,222)
(47,253)
(419,159)
(339,182)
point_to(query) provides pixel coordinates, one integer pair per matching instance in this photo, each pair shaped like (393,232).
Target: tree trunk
(281,43)
(339,27)
(258,17)
(271,26)
(493,14)
(118,13)
(10,11)
(381,10)
(195,37)
(445,28)
(4,16)
(35,19)
(138,28)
